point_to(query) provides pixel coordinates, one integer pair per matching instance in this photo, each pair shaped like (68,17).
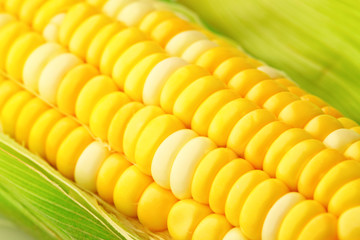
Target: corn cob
(153,137)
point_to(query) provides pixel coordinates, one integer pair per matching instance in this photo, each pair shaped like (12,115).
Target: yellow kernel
(206,172)
(321,126)
(168,28)
(90,94)
(348,224)
(79,41)
(71,85)
(185,164)
(257,147)
(177,82)
(8,35)
(297,218)
(277,213)
(70,150)
(119,123)
(335,178)
(154,207)
(135,126)
(56,136)
(88,165)
(109,173)
(37,61)
(117,46)
(239,193)
(11,110)
(299,113)
(76,15)
(53,74)
(156,131)
(257,205)
(104,111)
(315,170)
(128,190)
(130,57)
(135,80)
(184,217)
(294,161)
(49,10)
(246,128)
(230,67)
(223,182)
(263,90)
(19,51)
(40,131)
(154,18)
(27,117)
(212,227)
(279,101)
(100,40)
(209,108)
(193,95)
(281,146)
(245,80)
(322,227)
(166,153)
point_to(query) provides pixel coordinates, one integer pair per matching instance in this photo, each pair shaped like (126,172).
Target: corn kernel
(37,61)
(11,110)
(223,182)
(335,178)
(154,207)
(206,172)
(166,153)
(91,94)
(239,193)
(184,217)
(297,218)
(294,161)
(104,111)
(109,173)
(119,122)
(56,136)
(277,213)
(53,73)
(70,149)
(258,204)
(128,190)
(156,131)
(135,126)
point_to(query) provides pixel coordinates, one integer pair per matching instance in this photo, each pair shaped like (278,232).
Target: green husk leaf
(314,42)
(49,206)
